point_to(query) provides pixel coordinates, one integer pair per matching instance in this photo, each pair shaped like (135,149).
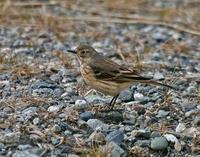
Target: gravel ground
(45,111)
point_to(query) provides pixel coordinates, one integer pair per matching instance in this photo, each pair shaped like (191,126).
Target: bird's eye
(83,52)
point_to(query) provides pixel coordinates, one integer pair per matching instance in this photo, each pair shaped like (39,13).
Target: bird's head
(84,52)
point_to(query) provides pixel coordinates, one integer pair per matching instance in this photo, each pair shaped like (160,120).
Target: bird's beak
(72,51)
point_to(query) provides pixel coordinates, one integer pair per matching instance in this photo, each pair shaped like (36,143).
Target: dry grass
(182,16)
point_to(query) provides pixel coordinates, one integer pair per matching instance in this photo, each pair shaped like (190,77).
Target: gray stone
(54,108)
(197,121)
(159,143)
(139,97)
(116,151)
(126,95)
(24,147)
(86,116)
(142,133)
(162,114)
(56,128)
(23,154)
(155,134)
(94,123)
(158,76)
(116,136)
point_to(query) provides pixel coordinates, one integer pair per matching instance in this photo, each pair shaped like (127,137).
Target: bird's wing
(108,70)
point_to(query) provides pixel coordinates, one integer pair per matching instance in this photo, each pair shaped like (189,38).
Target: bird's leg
(112,102)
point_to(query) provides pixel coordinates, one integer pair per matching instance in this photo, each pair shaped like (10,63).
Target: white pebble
(53,109)
(171,138)
(180,128)
(138,96)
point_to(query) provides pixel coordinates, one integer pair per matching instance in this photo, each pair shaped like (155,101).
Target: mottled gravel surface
(45,111)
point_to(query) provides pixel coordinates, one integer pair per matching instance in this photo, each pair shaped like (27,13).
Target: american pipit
(105,75)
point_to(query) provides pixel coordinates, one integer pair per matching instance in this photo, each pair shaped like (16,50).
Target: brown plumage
(105,75)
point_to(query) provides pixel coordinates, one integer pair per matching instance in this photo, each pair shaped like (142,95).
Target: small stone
(24,146)
(29,112)
(53,109)
(180,128)
(94,123)
(162,114)
(142,133)
(113,149)
(95,99)
(86,116)
(114,116)
(26,153)
(158,76)
(155,134)
(116,136)
(1,146)
(126,95)
(56,128)
(55,141)
(197,121)
(36,121)
(139,97)
(171,138)
(80,104)
(159,143)
(67,133)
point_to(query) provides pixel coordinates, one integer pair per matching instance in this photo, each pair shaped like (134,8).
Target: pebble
(126,95)
(197,121)
(56,128)
(86,116)
(95,99)
(171,138)
(80,104)
(29,112)
(26,153)
(116,136)
(142,133)
(55,141)
(155,134)
(95,123)
(24,147)
(139,97)
(114,149)
(53,109)
(162,114)
(158,76)
(180,127)
(114,116)
(159,143)
(36,121)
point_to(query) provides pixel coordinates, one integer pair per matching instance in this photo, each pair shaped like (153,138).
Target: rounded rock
(116,136)
(159,143)
(86,116)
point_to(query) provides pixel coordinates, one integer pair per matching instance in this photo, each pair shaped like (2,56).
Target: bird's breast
(106,87)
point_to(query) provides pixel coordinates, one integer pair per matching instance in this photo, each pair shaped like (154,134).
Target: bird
(105,75)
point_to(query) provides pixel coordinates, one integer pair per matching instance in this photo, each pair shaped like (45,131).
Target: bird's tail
(153,82)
